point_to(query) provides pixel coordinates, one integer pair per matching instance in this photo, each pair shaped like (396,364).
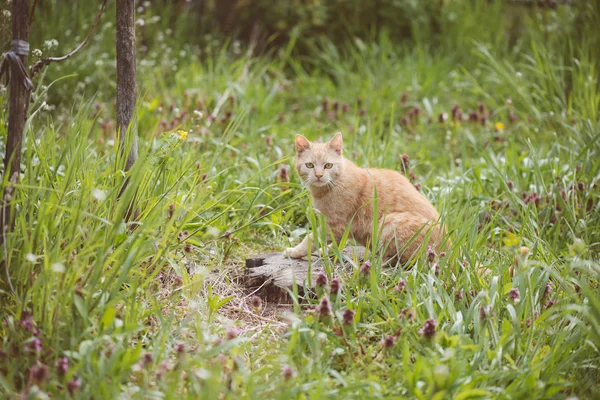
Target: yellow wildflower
(511,240)
(499,126)
(182,134)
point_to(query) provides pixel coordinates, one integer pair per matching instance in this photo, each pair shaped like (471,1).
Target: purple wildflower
(428,329)
(430,253)
(164,367)
(323,310)
(334,288)
(456,113)
(38,374)
(287,372)
(232,333)
(170,211)
(321,284)
(256,302)
(147,359)
(180,348)
(389,341)
(34,345)
(485,312)
(348,317)
(27,321)
(405,162)
(460,295)
(365,268)
(401,286)
(473,116)
(407,313)
(321,280)
(73,386)
(62,366)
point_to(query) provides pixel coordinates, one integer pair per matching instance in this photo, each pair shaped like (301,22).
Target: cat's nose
(319,176)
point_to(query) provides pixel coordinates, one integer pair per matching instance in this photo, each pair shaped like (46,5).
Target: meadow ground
(505,144)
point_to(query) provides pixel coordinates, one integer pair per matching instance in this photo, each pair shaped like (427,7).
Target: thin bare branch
(32,12)
(35,68)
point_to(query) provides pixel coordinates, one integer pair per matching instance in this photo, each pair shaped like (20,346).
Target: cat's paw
(292,252)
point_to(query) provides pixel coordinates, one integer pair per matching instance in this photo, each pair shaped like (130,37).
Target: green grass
(148,309)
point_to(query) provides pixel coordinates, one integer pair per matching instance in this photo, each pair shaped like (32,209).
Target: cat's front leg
(301,250)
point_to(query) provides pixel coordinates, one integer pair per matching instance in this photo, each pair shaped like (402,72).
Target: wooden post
(18,106)
(126,78)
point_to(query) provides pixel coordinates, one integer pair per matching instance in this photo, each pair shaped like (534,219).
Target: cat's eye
(309,165)
(328,165)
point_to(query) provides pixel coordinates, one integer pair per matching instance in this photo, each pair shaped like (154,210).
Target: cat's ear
(302,144)
(336,143)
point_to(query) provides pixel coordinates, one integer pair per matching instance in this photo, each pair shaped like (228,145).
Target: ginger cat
(343,193)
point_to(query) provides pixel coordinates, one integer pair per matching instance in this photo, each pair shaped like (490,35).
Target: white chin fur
(318,183)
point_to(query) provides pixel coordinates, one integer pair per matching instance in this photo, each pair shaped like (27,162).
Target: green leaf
(108,317)
(471,393)
(80,306)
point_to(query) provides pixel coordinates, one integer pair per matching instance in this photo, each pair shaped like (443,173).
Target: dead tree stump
(272,274)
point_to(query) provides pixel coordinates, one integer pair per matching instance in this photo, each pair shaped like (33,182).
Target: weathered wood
(272,274)
(19,104)
(126,78)
(127,92)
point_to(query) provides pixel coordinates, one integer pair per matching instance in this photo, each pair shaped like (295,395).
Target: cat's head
(319,164)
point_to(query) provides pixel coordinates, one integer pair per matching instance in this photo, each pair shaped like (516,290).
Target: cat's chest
(338,209)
